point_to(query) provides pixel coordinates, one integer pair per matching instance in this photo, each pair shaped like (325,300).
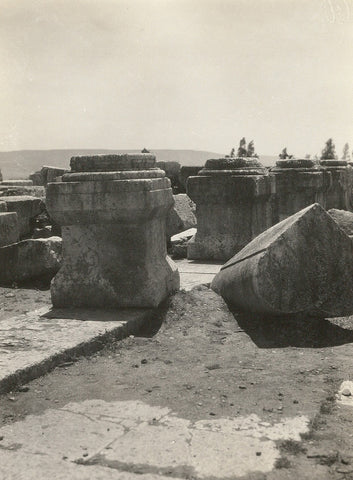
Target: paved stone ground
(37,340)
(194,273)
(213,395)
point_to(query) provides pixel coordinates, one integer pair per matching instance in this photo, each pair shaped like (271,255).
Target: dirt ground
(205,361)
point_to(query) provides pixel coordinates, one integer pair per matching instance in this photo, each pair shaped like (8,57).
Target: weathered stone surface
(26,208)
(112,163)
(181,216)
(16,183)
(34,343)
(3,206)
(8,228)
(296,184)
(344,219)
(131,440)
(179,243)
(187,171)
(172,170)
(337,184)
(30,259)
(232,197)
(302,264)
(113,234)
(16,191)
(47,175)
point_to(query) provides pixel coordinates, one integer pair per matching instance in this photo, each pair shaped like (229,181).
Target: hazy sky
(191,74)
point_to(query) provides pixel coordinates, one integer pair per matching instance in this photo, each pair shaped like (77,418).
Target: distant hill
(21,163)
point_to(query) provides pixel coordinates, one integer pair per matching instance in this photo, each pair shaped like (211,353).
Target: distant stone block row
(237,199)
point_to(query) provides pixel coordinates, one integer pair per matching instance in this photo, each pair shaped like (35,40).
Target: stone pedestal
(296,184)
(112,209)
(337,184)
(232,197)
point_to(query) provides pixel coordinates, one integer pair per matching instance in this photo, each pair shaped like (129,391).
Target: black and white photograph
(176,240)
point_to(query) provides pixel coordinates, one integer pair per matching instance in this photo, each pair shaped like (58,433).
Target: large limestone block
(8,228)
(337,184)
(181,216)
(302,264)
(47,174)
(187,171)
(16,183)
(16,191)
(296,184)
(233,205)
(113,219)
(29,260)
(27,208)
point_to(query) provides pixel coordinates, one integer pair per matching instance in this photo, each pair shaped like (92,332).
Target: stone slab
(112,163)
(26,207)
(194,273)
(17,183)
(8,228)
(92,439)
(303,264)
(190,232)
(34,343)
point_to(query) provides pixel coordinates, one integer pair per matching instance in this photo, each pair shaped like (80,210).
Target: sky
(178,74)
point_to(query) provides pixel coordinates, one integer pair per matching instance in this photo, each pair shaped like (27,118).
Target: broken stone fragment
(8,228)
(30,259)
(181,216)
(26,207)
(303,264)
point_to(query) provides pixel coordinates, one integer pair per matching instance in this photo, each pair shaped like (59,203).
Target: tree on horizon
(328,153)
(251,150)
(346,154)
(242,148)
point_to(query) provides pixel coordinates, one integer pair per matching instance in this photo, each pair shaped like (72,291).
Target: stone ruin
(303,264)
(23,258)
(117,211)
(237,199)
(112,210)
(233,205)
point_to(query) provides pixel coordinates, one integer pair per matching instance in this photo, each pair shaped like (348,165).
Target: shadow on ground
(300,331)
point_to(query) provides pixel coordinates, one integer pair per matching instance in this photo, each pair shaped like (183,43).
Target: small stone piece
(346,392)
(291,268)
(9,232)
(23,388)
